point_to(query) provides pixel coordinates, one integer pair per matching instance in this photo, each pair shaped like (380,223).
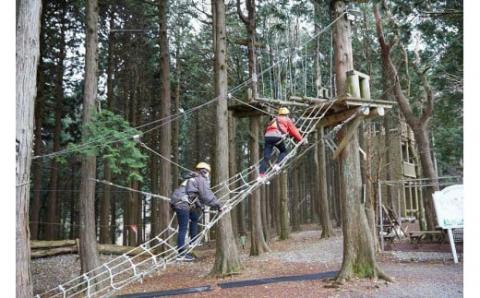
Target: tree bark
(51,231)
(105,204)
(419,124)
(365,142)
(232,166)
(175,109)
(283,196)
(27,56)
(37,165)
(295,199)
(165,178)
(73,203)
(259,245)
(227,259)
(358,246)
(134,203)
(88,241)
(154,213)
(324,210)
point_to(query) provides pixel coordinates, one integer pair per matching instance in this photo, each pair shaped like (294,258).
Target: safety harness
(283,134)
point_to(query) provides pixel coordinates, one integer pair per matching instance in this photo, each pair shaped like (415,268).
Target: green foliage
(110,137)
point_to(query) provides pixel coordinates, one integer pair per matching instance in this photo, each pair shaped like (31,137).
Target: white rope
(165,158)
(156,196)
(171,118)
(231,198)
(88,284)
(111,276)
(134,267)
(63,290)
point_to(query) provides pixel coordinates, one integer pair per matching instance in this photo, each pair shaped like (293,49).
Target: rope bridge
(158,252)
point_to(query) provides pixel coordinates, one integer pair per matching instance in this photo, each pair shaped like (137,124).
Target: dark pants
(184,217)
(271,142)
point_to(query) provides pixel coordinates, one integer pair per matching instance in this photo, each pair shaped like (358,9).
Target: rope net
(158,252)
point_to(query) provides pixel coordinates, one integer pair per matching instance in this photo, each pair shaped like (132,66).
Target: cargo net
(158,252)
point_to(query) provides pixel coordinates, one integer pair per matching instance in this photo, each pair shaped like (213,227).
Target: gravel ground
(419,256)
(49,272)
(431,274)
(307,247)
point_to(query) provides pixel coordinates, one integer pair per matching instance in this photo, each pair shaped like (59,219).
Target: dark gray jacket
(179,198)
(198,187)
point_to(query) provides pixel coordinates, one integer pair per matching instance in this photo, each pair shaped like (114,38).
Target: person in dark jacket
(277,130)
(187,201)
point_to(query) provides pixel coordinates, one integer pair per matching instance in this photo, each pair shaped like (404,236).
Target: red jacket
(286,127)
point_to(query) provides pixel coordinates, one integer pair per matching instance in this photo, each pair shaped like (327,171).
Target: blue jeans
(184,217)
(271,142)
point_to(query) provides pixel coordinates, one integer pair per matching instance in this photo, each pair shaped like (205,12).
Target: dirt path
(303,253)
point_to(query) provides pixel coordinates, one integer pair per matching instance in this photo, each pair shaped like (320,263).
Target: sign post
(449,208)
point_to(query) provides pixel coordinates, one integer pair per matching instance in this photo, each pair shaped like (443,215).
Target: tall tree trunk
(37,165)
(88,239)
(105,203)
(419,124)
(227,259)
(324,210)
(175,109)
(263,205)
(154,211)
(73,218)
(27,55)
(295,194)
(133,199)
(425,153)
(165,174)
(276,194)
(358,246)
(321,170)
(133,228)
(232,166)
(51,232)
(368,181)
(283,196)
(259,245)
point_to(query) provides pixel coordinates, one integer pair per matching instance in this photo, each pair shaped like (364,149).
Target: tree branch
(241,15)
(445,12)
(392,74)
(201,10)
(428,111)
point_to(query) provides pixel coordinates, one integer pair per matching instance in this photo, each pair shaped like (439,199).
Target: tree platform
(341,109)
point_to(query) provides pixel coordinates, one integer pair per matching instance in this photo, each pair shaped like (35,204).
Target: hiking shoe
(261,178)
(185,258)
(276,168)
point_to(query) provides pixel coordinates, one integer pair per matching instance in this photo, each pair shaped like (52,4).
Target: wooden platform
(343,108)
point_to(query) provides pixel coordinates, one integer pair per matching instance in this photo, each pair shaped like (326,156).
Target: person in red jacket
(277,130)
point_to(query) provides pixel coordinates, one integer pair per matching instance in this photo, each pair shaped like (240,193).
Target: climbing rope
(158,252)
(173,117)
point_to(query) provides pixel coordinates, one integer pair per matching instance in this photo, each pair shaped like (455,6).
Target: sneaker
(276,168)
(261,178)
(185,258)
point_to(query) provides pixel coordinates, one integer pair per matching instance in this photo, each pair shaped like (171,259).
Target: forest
(119,100)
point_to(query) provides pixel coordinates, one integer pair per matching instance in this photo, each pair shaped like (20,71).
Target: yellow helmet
(283,111)
(203,165)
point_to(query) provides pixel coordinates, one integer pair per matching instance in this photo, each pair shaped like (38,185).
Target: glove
(219,207)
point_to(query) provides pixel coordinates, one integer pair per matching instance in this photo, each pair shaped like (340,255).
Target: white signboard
(449,207)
